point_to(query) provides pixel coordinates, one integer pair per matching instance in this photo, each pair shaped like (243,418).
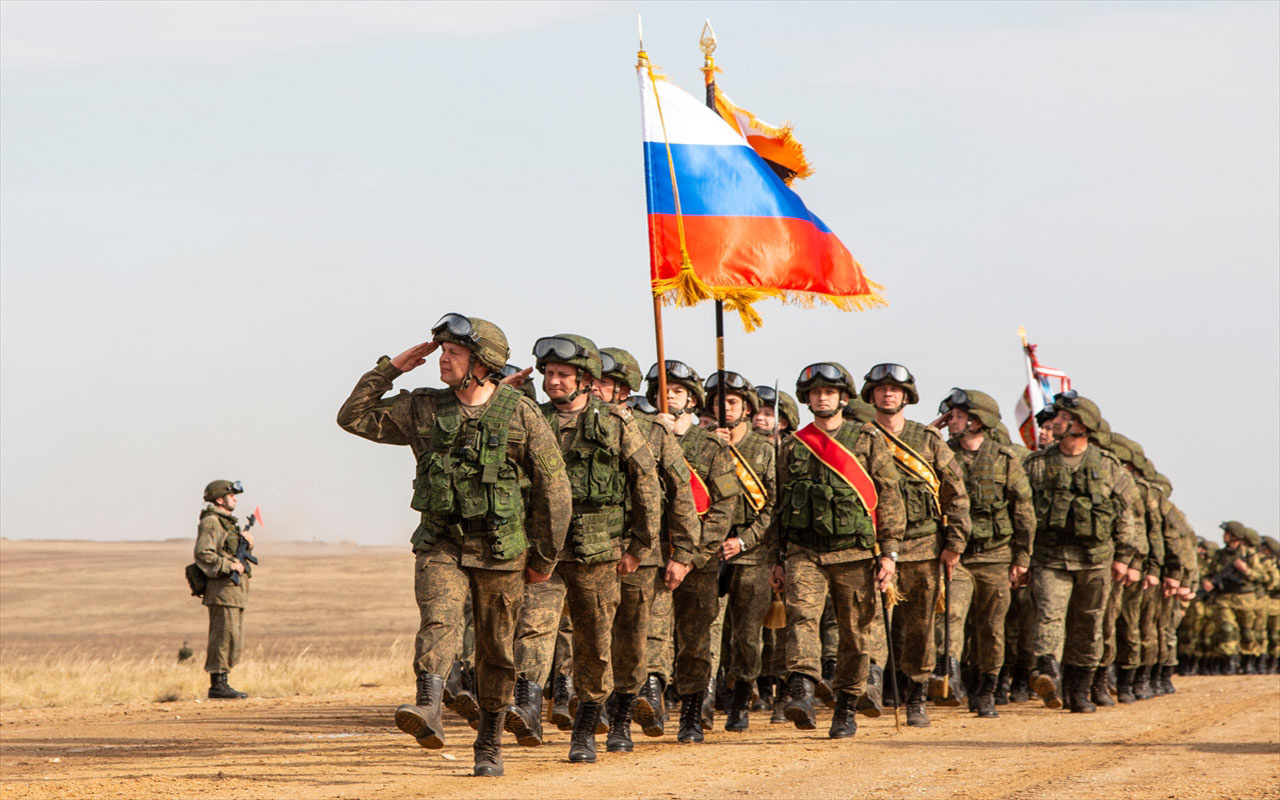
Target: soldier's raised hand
(415,356)
(516,379)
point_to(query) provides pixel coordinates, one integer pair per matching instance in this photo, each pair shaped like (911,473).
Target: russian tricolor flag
(747,235)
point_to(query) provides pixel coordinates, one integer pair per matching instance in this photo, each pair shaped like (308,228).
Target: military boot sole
(1044,688)
(618,744)
(526,735)
(561,718)
(825,694)
(647,717)
(413,720)
(803,718)
(231,694)
(465,706)
(917,719)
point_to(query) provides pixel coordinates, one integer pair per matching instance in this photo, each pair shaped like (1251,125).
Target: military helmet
(859,411)
(734,384)
(568,348)
(1103,435)
(620,365)
(485,340)
(978,404)
(1211,547)
(1272,544)
(824,373)
(890,375)
(1160,480)
(1122,448)
(1252,538)
(1083,409)
(1001,434)
(1235,528)
(789,410)
(677,372)
(218,489)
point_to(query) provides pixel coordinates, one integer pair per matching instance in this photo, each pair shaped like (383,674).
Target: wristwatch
(892,556)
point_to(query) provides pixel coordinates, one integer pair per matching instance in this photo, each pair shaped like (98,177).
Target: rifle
(242,552)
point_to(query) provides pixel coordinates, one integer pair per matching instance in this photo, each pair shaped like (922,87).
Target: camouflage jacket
(1001,501)
(872,451)
(407,419)
(681,529)
(217,540)
(926,534)
(1103,500)
(1229,579)
(1152,560)
(710,458)
(759,547)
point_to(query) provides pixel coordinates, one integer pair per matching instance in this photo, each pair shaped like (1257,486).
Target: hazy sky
(215,216)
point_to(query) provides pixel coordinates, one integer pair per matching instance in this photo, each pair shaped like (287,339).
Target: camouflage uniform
(1236,606)
(217,540)
(456,553)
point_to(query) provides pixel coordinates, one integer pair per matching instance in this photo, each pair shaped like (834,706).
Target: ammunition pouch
(197,580)
(826,518)
(592,533)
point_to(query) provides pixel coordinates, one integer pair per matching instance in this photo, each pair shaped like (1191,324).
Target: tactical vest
(755,449)
(984,480)
(466,485)
(1074,508)
(821,510)
(922,506)
(230,544)
(1232,580)
(597,480)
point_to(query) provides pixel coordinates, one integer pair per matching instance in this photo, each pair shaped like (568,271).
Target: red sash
(838,459)
(701,496)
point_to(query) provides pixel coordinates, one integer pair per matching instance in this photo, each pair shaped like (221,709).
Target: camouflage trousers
(980,595)
(749,600)
(1121,629)
(1259,628)
(441,586)
(1192,638)
(1070,606)
(1020,628)
(631,630)
(1148,630)
(1167,619)
(591,593)
(1234,616)
(829,630)
(1273,626)
(562,664)
(660,649)
(853,591)
(773,653)
(697,609)
(914,619)
(225,634)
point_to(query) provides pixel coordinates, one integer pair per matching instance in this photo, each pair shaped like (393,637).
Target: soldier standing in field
(1085,540)
(217,542)
(482,448)
(1239,572)
(937,532)
(839,522)
(1003,527)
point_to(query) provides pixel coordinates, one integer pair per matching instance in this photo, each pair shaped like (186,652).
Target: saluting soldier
(610,469)
(217,542)
(494,505)
(839,522)
(937,507)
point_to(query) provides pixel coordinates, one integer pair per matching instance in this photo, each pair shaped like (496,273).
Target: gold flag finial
(708,40)
(1022,334)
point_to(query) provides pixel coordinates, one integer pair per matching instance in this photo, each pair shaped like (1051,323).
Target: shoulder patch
(870,427)
(621,412)
(550,459)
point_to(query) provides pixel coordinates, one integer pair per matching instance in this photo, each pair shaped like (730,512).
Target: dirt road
(1215,738)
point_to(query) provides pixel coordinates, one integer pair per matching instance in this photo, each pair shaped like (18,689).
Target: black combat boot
(1153,680)
(1233,665)
(1076,681)
(422,720)
(452,684)
(219,690)
(800,701)
(972,682)
(822,690)
(1099,693)
(917,715)
(1166,679)
(582,745)
(987,697)
(844,720)
(1003,682)
(560,695)
(1124,685)
(1141,683)
(721,692)
(1020,686)
(650,711)
(1047,683)
(871,702)
(619,740)
(691,714)
(763,698)
(488,745)
(1251,665)
(779,714)
(736,716)
(709,704)
(464,700)
(524,717)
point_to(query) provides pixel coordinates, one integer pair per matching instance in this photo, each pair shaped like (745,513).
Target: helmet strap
(471,366)
(575,394)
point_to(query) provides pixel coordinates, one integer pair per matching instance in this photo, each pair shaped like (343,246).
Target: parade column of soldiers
(635,535)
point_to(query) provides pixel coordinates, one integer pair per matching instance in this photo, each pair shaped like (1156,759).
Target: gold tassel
(776,619)
(892,596)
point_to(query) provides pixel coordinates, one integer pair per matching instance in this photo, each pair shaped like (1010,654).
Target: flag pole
(708,44)
(1026,357)
(643,61)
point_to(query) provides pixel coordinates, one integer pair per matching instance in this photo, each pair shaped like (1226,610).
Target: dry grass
(64,679)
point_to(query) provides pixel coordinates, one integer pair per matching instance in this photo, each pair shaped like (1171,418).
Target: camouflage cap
(1235,528)
(625,367)
(218,489)
(484,339)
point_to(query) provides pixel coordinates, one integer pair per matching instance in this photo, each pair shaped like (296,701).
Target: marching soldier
(695,604)
(749,551)
(217,542)
(775,427)
(1085,539)
(620,375)
(1239,570)
(608,464)
(937,507)
(1003,526)
(839,521)
(482,449)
